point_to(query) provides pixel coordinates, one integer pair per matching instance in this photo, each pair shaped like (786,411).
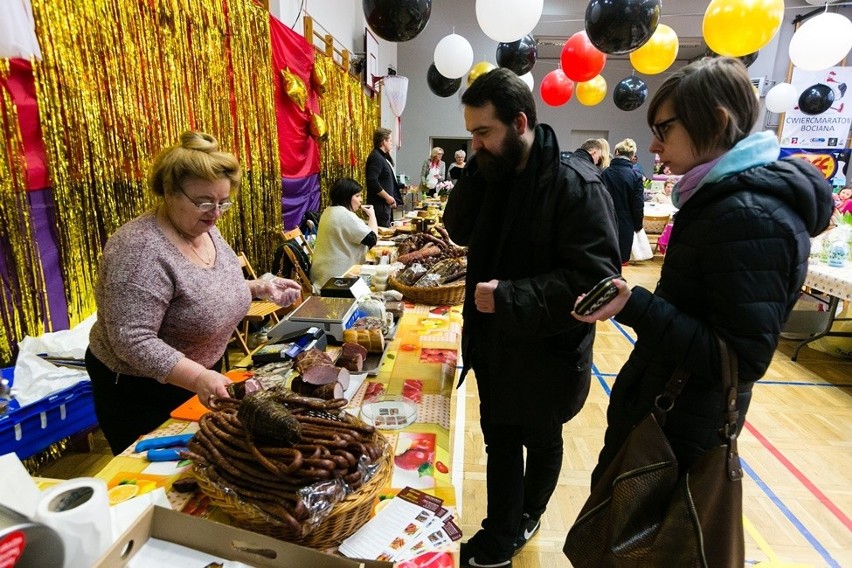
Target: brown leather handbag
(643,512)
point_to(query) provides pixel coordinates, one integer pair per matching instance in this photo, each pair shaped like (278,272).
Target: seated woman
(342,238)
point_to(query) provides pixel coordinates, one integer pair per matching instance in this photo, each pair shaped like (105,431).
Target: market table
(420,363)
(836,282)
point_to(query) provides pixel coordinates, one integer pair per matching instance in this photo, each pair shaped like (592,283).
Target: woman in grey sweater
(170,293)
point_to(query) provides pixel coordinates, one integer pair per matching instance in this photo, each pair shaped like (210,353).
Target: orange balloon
(478,69)
(658,53)
(741,27)
(591,92)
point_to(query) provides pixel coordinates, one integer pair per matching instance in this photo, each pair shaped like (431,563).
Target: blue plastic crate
(32,428)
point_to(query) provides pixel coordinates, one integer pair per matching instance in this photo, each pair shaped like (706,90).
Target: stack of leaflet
(411,524)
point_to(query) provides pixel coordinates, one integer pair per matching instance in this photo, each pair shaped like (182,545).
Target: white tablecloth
(833,281)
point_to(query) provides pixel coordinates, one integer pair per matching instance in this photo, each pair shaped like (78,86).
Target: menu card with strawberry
(410,524)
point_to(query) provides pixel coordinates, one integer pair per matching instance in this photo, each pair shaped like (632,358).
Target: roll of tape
(78,509)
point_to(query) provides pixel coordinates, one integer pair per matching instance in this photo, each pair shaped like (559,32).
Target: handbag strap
(730,380)
(665,401)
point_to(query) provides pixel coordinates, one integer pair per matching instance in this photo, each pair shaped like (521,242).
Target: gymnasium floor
(796,450)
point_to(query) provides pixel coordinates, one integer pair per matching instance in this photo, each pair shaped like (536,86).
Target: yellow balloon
(319,128)
(658,53)
(319,79)
(478,69)
(295,88)
(740,27)
(591,92)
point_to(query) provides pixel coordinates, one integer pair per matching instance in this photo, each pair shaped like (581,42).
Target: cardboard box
(223,541)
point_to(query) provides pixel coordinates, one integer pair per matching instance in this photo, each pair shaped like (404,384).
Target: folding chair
(298,237)
(258,311)
(300,273)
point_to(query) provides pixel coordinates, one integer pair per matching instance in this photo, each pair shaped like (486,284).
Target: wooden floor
(796,450)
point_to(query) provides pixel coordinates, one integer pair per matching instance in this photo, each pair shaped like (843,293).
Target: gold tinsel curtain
(352,117)
(23,305)
(120,80)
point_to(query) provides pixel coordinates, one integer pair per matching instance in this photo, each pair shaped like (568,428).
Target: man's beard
(499,166)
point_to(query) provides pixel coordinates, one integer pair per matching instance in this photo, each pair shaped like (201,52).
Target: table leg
(832,310)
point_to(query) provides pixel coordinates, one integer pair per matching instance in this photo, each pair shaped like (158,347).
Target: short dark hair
(592,144)
(380,135)
(699,90)
(342,191)
(509,95)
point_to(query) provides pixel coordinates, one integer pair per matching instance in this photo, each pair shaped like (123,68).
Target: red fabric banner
(21,87)
(299,152)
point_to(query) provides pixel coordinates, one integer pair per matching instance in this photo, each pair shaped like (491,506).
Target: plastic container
(389,412)
(30,429)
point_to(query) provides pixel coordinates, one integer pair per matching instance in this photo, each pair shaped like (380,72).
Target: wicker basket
(346,517)
(449,295)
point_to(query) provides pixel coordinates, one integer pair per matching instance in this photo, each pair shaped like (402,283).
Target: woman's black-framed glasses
(208,206)
(659,129)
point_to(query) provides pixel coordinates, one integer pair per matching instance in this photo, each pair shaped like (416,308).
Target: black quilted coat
(736,261)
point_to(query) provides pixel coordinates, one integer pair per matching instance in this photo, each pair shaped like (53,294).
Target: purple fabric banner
(299,195)
(44,224)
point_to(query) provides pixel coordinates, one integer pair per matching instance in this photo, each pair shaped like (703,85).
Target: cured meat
(343,378)
(311,358)
(321,374)
(350,349)
(353,362)
(330,391)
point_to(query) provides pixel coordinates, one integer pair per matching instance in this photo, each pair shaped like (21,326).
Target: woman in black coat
(625,186)
(736,261)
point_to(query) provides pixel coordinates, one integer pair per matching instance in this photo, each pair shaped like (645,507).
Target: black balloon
(747,60)
(439,84)
(621,26)
(397,20)
(816,99)
(630,93)
(518,56)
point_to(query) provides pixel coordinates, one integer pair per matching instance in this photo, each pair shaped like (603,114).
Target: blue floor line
(790,516)
(760,483)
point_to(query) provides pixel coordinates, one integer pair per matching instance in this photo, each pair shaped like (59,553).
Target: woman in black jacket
(625,187)
(736,261)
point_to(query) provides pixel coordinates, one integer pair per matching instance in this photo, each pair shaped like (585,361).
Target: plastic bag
(641,249)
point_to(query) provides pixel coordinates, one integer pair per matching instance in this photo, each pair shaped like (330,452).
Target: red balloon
(556,89)
(581,61)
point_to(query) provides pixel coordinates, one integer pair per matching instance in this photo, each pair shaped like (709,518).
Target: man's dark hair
(509,95)
(380,135)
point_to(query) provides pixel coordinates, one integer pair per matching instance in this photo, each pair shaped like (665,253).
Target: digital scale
(332,315)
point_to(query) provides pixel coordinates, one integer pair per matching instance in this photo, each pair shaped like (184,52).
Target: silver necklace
(207,261)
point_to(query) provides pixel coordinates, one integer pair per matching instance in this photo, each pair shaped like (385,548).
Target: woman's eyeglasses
(208,206)
(659,129)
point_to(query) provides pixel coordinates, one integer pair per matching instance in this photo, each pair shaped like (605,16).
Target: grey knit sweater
(156,307)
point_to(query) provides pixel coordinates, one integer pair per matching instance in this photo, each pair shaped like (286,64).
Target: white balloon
(453,56)
(781,98)
(821,42)
(528,79)
(508,20)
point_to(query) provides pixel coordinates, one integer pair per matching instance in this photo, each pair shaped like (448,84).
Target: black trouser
(515,487)
(127,406)
(384,213)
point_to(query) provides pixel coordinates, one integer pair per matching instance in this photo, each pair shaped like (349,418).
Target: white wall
(427,115)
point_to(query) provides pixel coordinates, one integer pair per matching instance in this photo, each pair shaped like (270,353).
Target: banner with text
(829,129)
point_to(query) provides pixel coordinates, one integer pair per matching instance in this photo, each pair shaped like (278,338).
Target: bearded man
(540,231)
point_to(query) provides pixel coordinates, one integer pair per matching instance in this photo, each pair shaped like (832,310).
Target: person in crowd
(591,150)
(664,197)
(169,294)
(606,155)
(454,171)
(736,261)
(343,238)
(540,231)
(625,188)
(434,171)
(637,167)
(843,200)
(384,192)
